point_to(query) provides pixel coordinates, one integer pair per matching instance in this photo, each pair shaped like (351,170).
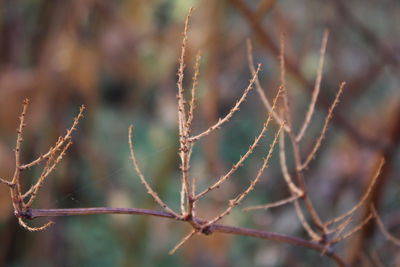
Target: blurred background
(119,58)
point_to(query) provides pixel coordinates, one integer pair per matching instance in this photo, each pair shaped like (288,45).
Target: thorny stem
(246,155)
(182,121)
(15,187)
(233,110)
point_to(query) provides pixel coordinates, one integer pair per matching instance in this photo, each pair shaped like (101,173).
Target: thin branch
(183,241)
(340,226)
(353,231)
(313,235)
(282,159)
(233,110)
(215,228)
(15,187)
(259,88)
(273,204)
(317,87)
(300,179)
(182,122)
(192,103)
(143,180)
(338,231)
(5,182)
(282,63)
(268,43)
(223,178)
(35,229)
(60,142)
(311,155)
(46,171)
(180,96)
(236,201)
(384,231)
(362,200)
(194,181)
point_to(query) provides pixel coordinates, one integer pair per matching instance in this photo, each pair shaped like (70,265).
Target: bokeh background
(119,58)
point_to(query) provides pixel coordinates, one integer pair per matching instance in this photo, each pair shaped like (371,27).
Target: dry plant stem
(61,141)
(35,229)
(246,155)
(53,157)
(15,187)
(297,160)
(328,117)
(150,191)
(43,176)
(268,43)
(183,241)
(215,228)
(362,200)
(316,90)
(192,103)
(300,178)
(382,228)
(182,121)
(259,88)
(338,231)
(352,231)
(236,201)
(340,226)
(286,109)
(233,110)
(5,182)
(194,181)
(313,235)
(273,204)
(282,159)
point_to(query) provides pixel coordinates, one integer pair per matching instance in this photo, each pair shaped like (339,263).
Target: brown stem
(218,228)
(36,213)
(268,43)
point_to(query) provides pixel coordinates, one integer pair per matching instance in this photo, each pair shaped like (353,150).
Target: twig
(328,117)
(246,155)
(383,229)
(215,228)
(316,90)
(236,201)
(282,159)
(60,142)
(273,204)
(192,103)
(233,110)
(362,200)
(259,88)
(313,235)
(143,180)
(46,171)
(183,241)
(352,231)
(182,121)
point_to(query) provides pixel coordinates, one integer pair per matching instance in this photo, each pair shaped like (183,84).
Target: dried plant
(323,234)
(21,201)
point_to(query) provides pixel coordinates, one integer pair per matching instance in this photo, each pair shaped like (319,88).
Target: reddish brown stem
(217,228)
